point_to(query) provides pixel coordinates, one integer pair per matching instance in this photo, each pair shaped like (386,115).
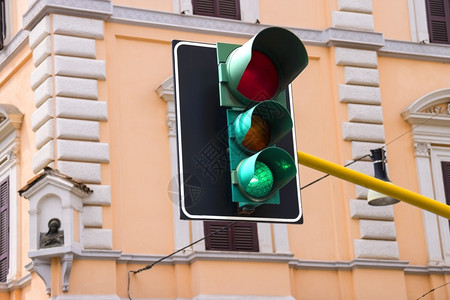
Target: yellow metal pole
(375,184)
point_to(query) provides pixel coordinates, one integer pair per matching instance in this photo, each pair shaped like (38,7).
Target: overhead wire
(172,254)
(301,188)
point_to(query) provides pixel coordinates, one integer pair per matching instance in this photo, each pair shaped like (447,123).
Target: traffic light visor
(264,66)
(261,126)
(265,172)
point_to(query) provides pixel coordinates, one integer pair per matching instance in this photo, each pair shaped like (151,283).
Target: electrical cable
(173,253)
(432,290)
(301,188)
(325,176)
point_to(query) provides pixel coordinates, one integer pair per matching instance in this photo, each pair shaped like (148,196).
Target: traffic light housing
(253,79)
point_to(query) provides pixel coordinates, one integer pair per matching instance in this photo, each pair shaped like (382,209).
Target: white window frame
(438,155)
(249,9)
(8,22)
(431,137)
(9,145)
(418,21)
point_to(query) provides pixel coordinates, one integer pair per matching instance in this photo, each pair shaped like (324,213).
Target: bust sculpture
(54,237)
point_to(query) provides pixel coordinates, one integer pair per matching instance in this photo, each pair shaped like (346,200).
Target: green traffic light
(253,83)
(261,184)
(261,175)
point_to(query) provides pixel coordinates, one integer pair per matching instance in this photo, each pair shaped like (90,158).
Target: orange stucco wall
(138,59)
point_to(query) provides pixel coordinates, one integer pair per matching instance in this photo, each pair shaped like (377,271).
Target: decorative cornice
(189,257)
(96,9)
(338,37)
(104,10)
(350,265)
(18,42)
(15,284)
(410,50)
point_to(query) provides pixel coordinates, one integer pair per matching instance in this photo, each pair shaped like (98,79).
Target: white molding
(87,297)
(181,228)
(352,20)
(126,15)
(241,297)
(429,130)
(361,6)
(418,21)
(265,238)
(249,9)
(437,155)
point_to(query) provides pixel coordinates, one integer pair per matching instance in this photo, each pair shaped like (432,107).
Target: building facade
(88,152)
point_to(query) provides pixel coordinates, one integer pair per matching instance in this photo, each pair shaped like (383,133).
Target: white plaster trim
(376,249)
(359,94)
(16,44)
(437,155)
(360,209)
(281,238)
(434,131)
(431,226)
(365,113)
(377,230)
(249,9)
(16,284)
(192,256)
(418,21)
(181,228)
(83,109)
(359,263)
(362,6)
(241,297)
(10,170)
(411,50)
(363,132)
(87,297)
(36,13)
(82,171)
(352,20)
(360,149)
(295,263)
(356,57)
(361,76)
(430,99)
(264,237)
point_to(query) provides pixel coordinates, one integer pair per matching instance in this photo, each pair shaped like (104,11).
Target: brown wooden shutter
(229,9)
(438,15)
(2,23)
(241,236)
(446,179)
(4,229)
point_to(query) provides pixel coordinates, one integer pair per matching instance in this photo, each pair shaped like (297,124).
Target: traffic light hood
(264,66)
(271,162)
(261,126)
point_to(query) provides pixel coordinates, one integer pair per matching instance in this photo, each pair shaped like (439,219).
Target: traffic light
(253,79)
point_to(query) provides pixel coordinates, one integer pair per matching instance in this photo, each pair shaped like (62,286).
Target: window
(229,9)
(446,180)
(438,16)
(4,229)
(432,145)
(241,236)
(2,23)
